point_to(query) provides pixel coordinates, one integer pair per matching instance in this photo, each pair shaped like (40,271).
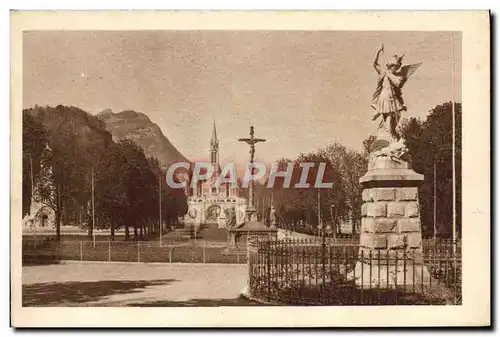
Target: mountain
(72,134)
(89,130)
(138,127)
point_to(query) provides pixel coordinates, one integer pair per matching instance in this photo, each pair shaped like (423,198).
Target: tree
(77,141)
(63,180)
(279,194)
(429,143)
(175,204)
(34,141)
(125,181)
(111,187)
(296,204)
(350,167)
(139,193)
(173,201)
(355,166)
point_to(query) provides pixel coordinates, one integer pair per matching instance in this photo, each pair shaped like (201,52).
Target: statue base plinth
(385,171)
(390,253)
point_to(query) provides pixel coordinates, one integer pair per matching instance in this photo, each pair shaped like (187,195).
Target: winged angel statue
(387,99)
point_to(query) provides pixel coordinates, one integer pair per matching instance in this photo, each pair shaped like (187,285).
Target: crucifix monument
(251,228)
(251,211)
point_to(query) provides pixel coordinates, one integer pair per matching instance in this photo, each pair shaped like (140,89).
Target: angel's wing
(407,71)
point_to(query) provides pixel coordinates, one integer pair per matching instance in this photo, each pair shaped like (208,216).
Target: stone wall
(391,221)
(391,236)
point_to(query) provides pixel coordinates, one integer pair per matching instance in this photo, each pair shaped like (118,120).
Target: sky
(302,90)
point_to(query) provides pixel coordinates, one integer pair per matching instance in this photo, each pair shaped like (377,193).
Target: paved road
(104,284)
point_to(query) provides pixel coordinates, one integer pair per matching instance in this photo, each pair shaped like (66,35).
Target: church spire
(214,142)
(214,149)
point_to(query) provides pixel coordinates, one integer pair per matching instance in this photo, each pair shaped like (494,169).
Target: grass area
(50,252)
(207,233)
(342,292)
(177,246)
(85,237)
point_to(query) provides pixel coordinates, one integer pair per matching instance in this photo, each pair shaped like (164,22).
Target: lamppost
(321,225)
(435,201)
(159,204)
(32,193)
(160,180)
(93,210)
(453,146)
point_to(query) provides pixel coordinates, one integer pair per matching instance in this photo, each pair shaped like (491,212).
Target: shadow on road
(57,293)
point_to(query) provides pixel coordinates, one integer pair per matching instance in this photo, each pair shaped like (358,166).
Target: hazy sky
(300,89)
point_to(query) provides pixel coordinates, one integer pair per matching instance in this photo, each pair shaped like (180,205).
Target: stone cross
(251,210)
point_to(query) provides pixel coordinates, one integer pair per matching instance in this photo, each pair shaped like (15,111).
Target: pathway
(122,284)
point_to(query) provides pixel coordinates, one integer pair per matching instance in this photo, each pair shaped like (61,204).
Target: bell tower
(214,150)
(214,160)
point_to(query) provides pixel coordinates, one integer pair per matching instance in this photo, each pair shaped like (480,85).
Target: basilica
(210,204)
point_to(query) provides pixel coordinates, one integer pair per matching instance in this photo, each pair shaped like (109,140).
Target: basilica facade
(212,204)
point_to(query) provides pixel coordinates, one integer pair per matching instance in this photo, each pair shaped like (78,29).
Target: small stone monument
(272,217)
(222,220)
(41,216)
(390,250)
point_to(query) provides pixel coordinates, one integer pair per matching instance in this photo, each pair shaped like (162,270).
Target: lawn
(194,252)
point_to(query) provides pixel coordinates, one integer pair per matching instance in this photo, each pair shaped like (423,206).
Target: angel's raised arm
(376,65)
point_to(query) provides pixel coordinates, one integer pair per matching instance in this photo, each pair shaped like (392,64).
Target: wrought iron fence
(315,272)
(131,251)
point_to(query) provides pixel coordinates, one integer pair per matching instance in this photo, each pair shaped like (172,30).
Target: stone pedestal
(238,236)
(40,217)
(222,221)
(251,214)
(232,239)
(390,250)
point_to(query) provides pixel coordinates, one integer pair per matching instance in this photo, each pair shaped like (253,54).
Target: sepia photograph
(261,168)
